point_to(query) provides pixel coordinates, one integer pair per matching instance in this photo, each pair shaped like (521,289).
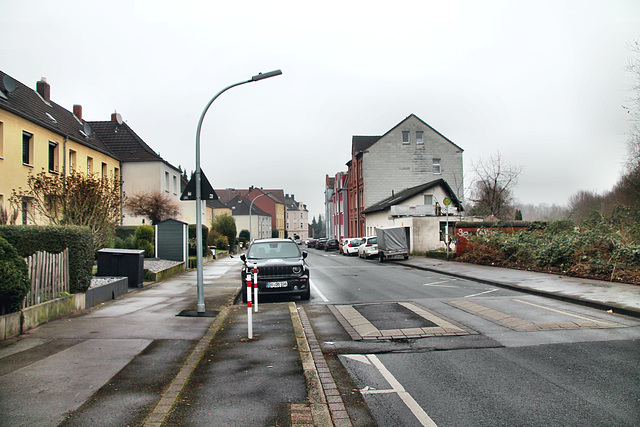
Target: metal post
(255,286)
(249,318)
(199,274)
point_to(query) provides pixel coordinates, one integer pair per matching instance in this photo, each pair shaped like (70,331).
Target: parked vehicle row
(364,247)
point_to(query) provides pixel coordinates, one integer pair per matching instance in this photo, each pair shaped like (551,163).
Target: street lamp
(251,207)
(199,282)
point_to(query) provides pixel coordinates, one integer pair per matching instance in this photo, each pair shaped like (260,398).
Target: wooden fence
(49,275)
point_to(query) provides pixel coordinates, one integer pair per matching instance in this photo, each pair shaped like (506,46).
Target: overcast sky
(542,82)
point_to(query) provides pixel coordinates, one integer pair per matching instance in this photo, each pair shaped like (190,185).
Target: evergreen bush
(29,239)
(14,278)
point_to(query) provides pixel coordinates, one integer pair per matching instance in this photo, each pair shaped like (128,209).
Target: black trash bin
(122,262)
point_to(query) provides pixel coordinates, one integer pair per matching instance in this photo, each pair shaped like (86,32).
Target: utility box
(172,240)
(122,262)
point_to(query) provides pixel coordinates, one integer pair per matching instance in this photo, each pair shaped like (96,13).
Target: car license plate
(277,284)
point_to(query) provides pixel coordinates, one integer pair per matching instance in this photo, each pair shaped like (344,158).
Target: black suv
(281,268)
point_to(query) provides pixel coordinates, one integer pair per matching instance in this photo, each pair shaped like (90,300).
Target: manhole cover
(196,313)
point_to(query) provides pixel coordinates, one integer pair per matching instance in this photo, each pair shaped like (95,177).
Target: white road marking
(408,400)
(317,291)
(561,312)
(358,357)
(481,293)
(441,281)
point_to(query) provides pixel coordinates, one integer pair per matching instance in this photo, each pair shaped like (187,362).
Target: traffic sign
(206,190)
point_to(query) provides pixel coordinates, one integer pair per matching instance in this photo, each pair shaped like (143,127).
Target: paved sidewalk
(111,364)
(619,297)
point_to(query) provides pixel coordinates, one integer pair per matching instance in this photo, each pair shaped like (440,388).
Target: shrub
(29,239)
(193,243)
(14,278)
(143,239)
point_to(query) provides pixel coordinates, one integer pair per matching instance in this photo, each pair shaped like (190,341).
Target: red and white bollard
(255,287)
(249,318)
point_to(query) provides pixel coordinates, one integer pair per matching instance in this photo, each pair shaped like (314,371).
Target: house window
(166,182)
(27,148)
(104,171)
(72,160)
(116,174)
(405,136)
(53,156)
(89,165)
(436,166)
(25,211)
(428,199)
(175,184)
(419,137)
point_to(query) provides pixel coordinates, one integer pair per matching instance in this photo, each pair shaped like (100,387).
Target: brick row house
(410,155)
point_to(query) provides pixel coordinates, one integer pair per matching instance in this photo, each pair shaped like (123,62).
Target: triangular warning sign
(206,190)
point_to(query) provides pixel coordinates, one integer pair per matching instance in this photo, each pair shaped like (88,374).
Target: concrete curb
(322,389)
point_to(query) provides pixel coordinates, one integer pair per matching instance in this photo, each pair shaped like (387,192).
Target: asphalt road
(427,349)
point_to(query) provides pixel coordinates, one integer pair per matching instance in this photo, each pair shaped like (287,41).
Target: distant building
(250,217)
(297,218)
(329,192)
(421,208)
(409,154)
(143,170)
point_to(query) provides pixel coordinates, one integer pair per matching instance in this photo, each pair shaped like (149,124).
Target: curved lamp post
(251,207)
(199,283)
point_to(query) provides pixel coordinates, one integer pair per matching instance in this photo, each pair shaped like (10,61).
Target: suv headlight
(296,269)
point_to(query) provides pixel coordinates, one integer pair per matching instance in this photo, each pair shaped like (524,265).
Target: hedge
(29,239)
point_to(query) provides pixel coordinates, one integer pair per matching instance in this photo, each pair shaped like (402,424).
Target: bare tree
(157,206)
(77,199)
(492,188)
(633,108)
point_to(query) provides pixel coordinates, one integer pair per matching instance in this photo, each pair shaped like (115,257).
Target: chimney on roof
(114,117)
(293,197)
(77,111)
(44,89)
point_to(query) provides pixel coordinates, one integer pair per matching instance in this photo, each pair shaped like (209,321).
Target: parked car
(282,268)
(321,242)
(311,242)
(368,248)
(331,244)
(351,246)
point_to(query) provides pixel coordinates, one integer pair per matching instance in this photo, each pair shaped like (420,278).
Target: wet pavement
(135,361)
(620,297)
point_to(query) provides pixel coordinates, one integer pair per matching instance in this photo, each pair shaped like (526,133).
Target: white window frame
(407,134)
(419,137)
(437,166)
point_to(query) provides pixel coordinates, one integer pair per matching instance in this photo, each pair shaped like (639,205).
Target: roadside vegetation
(596,236)
(605,247)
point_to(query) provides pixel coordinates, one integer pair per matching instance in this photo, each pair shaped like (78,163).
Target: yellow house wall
(14,174)
(280,219)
